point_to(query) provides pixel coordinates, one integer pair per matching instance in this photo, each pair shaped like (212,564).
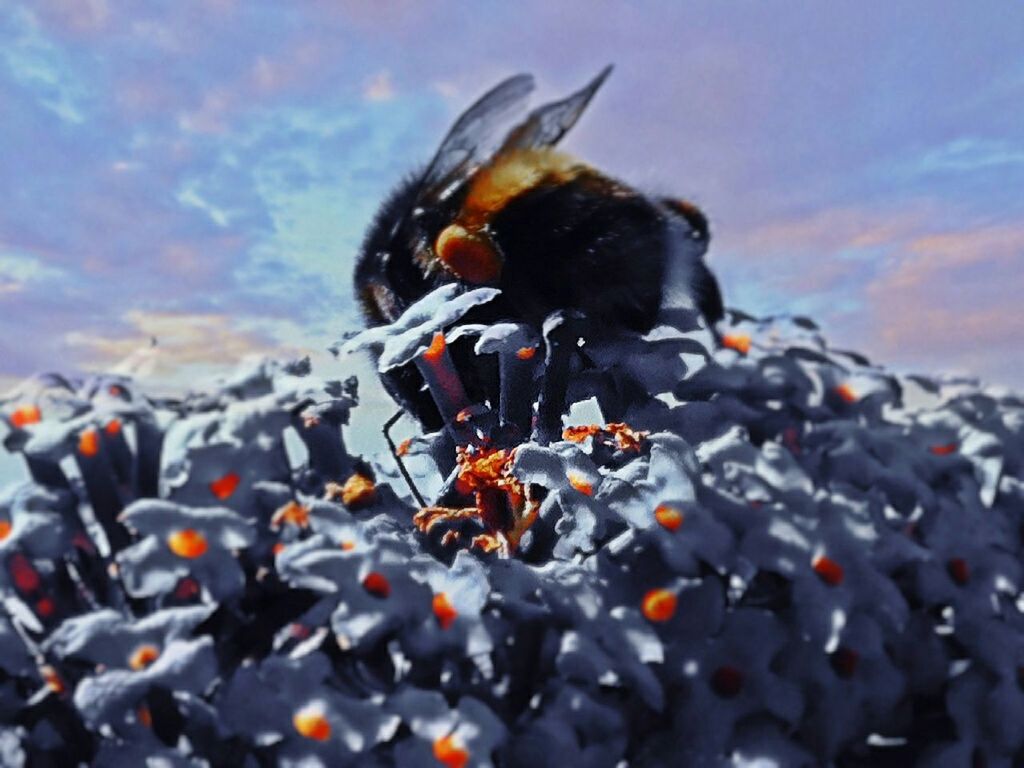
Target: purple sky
(203,172)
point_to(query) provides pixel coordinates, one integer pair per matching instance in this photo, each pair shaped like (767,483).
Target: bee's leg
(398,459)
(708,296)
(561,334)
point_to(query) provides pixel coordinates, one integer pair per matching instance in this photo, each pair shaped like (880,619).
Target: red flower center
(377,584)
(727,681)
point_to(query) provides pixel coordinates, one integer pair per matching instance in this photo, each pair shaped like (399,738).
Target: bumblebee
(502,207)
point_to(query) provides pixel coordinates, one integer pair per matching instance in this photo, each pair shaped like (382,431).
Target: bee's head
(683,211)
(385,277)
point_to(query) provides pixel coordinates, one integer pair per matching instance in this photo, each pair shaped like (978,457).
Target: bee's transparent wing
(549,123)
(475,135)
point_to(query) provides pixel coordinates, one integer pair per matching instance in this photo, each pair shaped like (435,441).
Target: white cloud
(19,269)
(970,154)
(191,198)
(40,67)
(379,87)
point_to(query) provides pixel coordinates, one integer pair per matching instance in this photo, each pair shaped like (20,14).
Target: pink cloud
(954,295)
(76,17)
(288,68)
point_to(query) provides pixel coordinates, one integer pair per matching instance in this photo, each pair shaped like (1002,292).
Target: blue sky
(202,172)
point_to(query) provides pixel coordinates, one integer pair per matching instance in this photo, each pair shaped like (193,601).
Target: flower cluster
(760,551)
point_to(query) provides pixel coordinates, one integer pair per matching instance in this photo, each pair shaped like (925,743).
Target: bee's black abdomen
(585,245)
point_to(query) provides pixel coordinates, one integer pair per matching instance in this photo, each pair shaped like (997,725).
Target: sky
(203,172)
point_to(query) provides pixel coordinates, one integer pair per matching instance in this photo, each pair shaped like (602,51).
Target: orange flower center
(526,353)
(143,656)
(291,513)
(739,342)
(828,570)
(24,415)
(626,438)
(188,543)
(52,679)
(358,492)
(444,610)
(376,584)
(668,517)
(579,482)
(224,486)
(435,351)
(450,753)
(113,427)
(311,722)
(5,529)
(89,442)
(847,393)
(659,605)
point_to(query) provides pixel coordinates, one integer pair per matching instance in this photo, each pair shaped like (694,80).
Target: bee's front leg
(561,337)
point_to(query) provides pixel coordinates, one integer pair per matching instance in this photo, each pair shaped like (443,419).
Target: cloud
(953,300)
(186,344)
(25,268)
(41,68)
(970,154)
(76,16)
(379,87)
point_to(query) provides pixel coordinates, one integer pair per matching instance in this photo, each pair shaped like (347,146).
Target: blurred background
(201,173)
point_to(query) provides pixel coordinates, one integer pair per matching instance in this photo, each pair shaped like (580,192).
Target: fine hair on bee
(499,205)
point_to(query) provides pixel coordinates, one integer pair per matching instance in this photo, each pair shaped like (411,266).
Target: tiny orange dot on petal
(579,482)
(434,352)
(89,442)
(188,543)
(143,656)
(449,753)
(659,605)
(24,415)
(828,570)
(847,393)
(358,492)
(444,610)
(311,723)
(739,342)
(224,486)
(377,584)
(668,517)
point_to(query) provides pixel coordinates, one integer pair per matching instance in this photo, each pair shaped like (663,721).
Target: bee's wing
(549,123)
(475,135)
